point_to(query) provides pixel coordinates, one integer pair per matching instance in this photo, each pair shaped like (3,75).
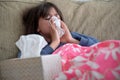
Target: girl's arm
(84,39)
(46,50)
(55,39)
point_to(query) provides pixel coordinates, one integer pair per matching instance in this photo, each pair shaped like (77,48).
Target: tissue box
(39,68)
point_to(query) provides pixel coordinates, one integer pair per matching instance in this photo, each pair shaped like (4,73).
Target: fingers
(52,25)
(53,29)
(51,22)
(64,26)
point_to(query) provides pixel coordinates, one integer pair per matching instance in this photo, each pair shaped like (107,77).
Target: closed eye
(48,18)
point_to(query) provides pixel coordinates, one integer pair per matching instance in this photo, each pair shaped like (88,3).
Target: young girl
(96,62)
(38,20)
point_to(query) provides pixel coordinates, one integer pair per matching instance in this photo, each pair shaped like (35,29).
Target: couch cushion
(100,19)
(11,25)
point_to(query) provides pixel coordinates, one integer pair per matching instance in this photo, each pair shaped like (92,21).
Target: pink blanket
(98,62)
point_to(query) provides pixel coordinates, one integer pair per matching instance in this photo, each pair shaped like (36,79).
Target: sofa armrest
(39,68)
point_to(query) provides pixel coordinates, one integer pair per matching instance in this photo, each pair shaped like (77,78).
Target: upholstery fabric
(11,25)
(39,68)
(21,69)
(100,19)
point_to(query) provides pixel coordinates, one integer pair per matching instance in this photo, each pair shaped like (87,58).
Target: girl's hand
(55,39)
(67,37)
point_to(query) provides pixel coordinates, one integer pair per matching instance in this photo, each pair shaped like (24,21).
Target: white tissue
(58,25)
(31,45)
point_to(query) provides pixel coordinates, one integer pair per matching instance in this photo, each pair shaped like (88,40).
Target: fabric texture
(31,45)
(21,69)
(11,27)
(99,19)
(97,62)
(31,68)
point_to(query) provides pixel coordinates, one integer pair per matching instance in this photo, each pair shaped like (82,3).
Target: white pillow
(31,45)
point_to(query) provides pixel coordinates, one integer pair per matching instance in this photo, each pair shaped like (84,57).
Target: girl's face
(44,26)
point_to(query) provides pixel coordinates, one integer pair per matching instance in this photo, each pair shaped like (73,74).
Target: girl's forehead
(52,10)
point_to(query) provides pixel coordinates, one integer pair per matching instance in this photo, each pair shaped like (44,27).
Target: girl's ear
(38,29)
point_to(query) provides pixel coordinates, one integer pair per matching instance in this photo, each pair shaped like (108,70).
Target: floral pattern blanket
(100,61)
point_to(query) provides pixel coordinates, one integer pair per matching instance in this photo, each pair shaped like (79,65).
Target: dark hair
(31,17)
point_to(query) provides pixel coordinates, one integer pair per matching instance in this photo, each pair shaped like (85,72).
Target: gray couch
(100,19)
